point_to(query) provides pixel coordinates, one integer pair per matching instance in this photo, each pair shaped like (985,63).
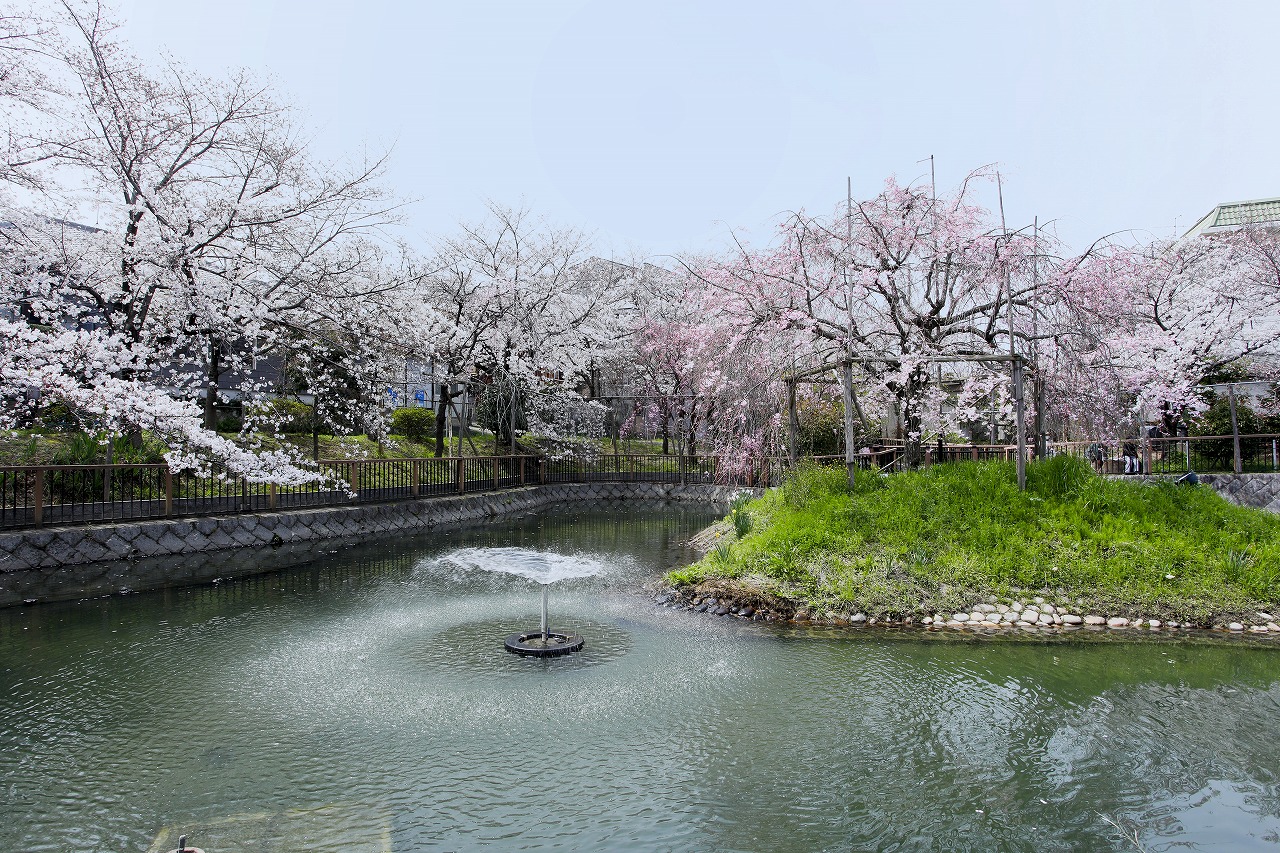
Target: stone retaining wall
(73,562)
(1260,491)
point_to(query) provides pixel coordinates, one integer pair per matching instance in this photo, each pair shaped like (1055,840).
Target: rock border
(1034,615)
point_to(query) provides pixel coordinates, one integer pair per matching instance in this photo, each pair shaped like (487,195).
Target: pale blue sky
(663,125)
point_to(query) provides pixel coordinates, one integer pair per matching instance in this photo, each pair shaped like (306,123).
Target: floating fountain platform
(544,645)
(544,642)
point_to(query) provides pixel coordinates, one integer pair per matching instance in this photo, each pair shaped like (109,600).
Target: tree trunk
(442,412)
(211,385)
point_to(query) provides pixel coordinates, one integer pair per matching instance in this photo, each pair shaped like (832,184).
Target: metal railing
(1204,454)
(40,495)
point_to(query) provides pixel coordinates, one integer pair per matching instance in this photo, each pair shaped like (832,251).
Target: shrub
(416,424)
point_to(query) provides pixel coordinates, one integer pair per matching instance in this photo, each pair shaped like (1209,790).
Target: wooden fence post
(462,479)
(415,478)
(37,515)
(168,490)
(522,470)
(495,473)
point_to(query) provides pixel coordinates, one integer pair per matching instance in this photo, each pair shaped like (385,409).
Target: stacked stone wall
(1260,491)
(72,562)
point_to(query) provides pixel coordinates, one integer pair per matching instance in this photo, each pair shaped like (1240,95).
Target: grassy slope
(944,537)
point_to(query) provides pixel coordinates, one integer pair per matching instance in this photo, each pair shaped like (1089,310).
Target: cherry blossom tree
(217,239)
(1146,324)
(522,309)
(888,285)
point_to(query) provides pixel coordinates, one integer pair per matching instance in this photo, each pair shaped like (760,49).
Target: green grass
(945,537)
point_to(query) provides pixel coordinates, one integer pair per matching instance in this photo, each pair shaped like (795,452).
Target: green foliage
(1216,420)
(59,418)
(80,448)
(416,424)
(940,537)
(821,430)
(741,521)
(294,417)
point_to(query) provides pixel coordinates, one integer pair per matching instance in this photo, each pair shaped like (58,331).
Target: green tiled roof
(1247,213)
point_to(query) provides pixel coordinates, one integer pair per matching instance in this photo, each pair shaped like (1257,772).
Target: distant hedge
(416,424)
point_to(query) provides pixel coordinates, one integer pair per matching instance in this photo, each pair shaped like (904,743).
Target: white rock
(1235,626)
(1038,599)
(954,624)
(960,617)
(1273,627)
(1031,614)
(1048,608)
(1257,629)
(1016,607)
(1153,623)
(1045,619)
(1057,620)
(1071,619)
(1094,620)
(977,616)
(1117,622)
(1002,608)
(1265,617)
(928,620)
(1009,617)
(858,618)
(1171,624)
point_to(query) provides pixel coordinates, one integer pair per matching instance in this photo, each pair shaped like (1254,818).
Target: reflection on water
(364,702)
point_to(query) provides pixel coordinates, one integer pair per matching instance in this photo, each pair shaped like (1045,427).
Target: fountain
(545,642)
(546,569)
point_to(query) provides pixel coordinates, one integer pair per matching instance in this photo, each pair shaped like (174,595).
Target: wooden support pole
(168,491)
(37,497)
(793,423)
(462,479)
(273,496)
(1235,430)
(415,478)
(846,389)
(1020,414)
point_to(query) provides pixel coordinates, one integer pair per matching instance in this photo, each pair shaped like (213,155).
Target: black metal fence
(1204,454)
(38,495)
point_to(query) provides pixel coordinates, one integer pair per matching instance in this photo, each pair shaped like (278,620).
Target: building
(1231,216)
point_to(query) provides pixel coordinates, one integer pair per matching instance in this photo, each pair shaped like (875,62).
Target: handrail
(36,495)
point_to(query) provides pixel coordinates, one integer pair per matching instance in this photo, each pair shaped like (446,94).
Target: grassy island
(940,539)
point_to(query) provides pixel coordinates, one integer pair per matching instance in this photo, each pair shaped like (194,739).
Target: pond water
(363,702)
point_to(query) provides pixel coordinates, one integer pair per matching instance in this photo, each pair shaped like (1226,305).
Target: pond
(363,702)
